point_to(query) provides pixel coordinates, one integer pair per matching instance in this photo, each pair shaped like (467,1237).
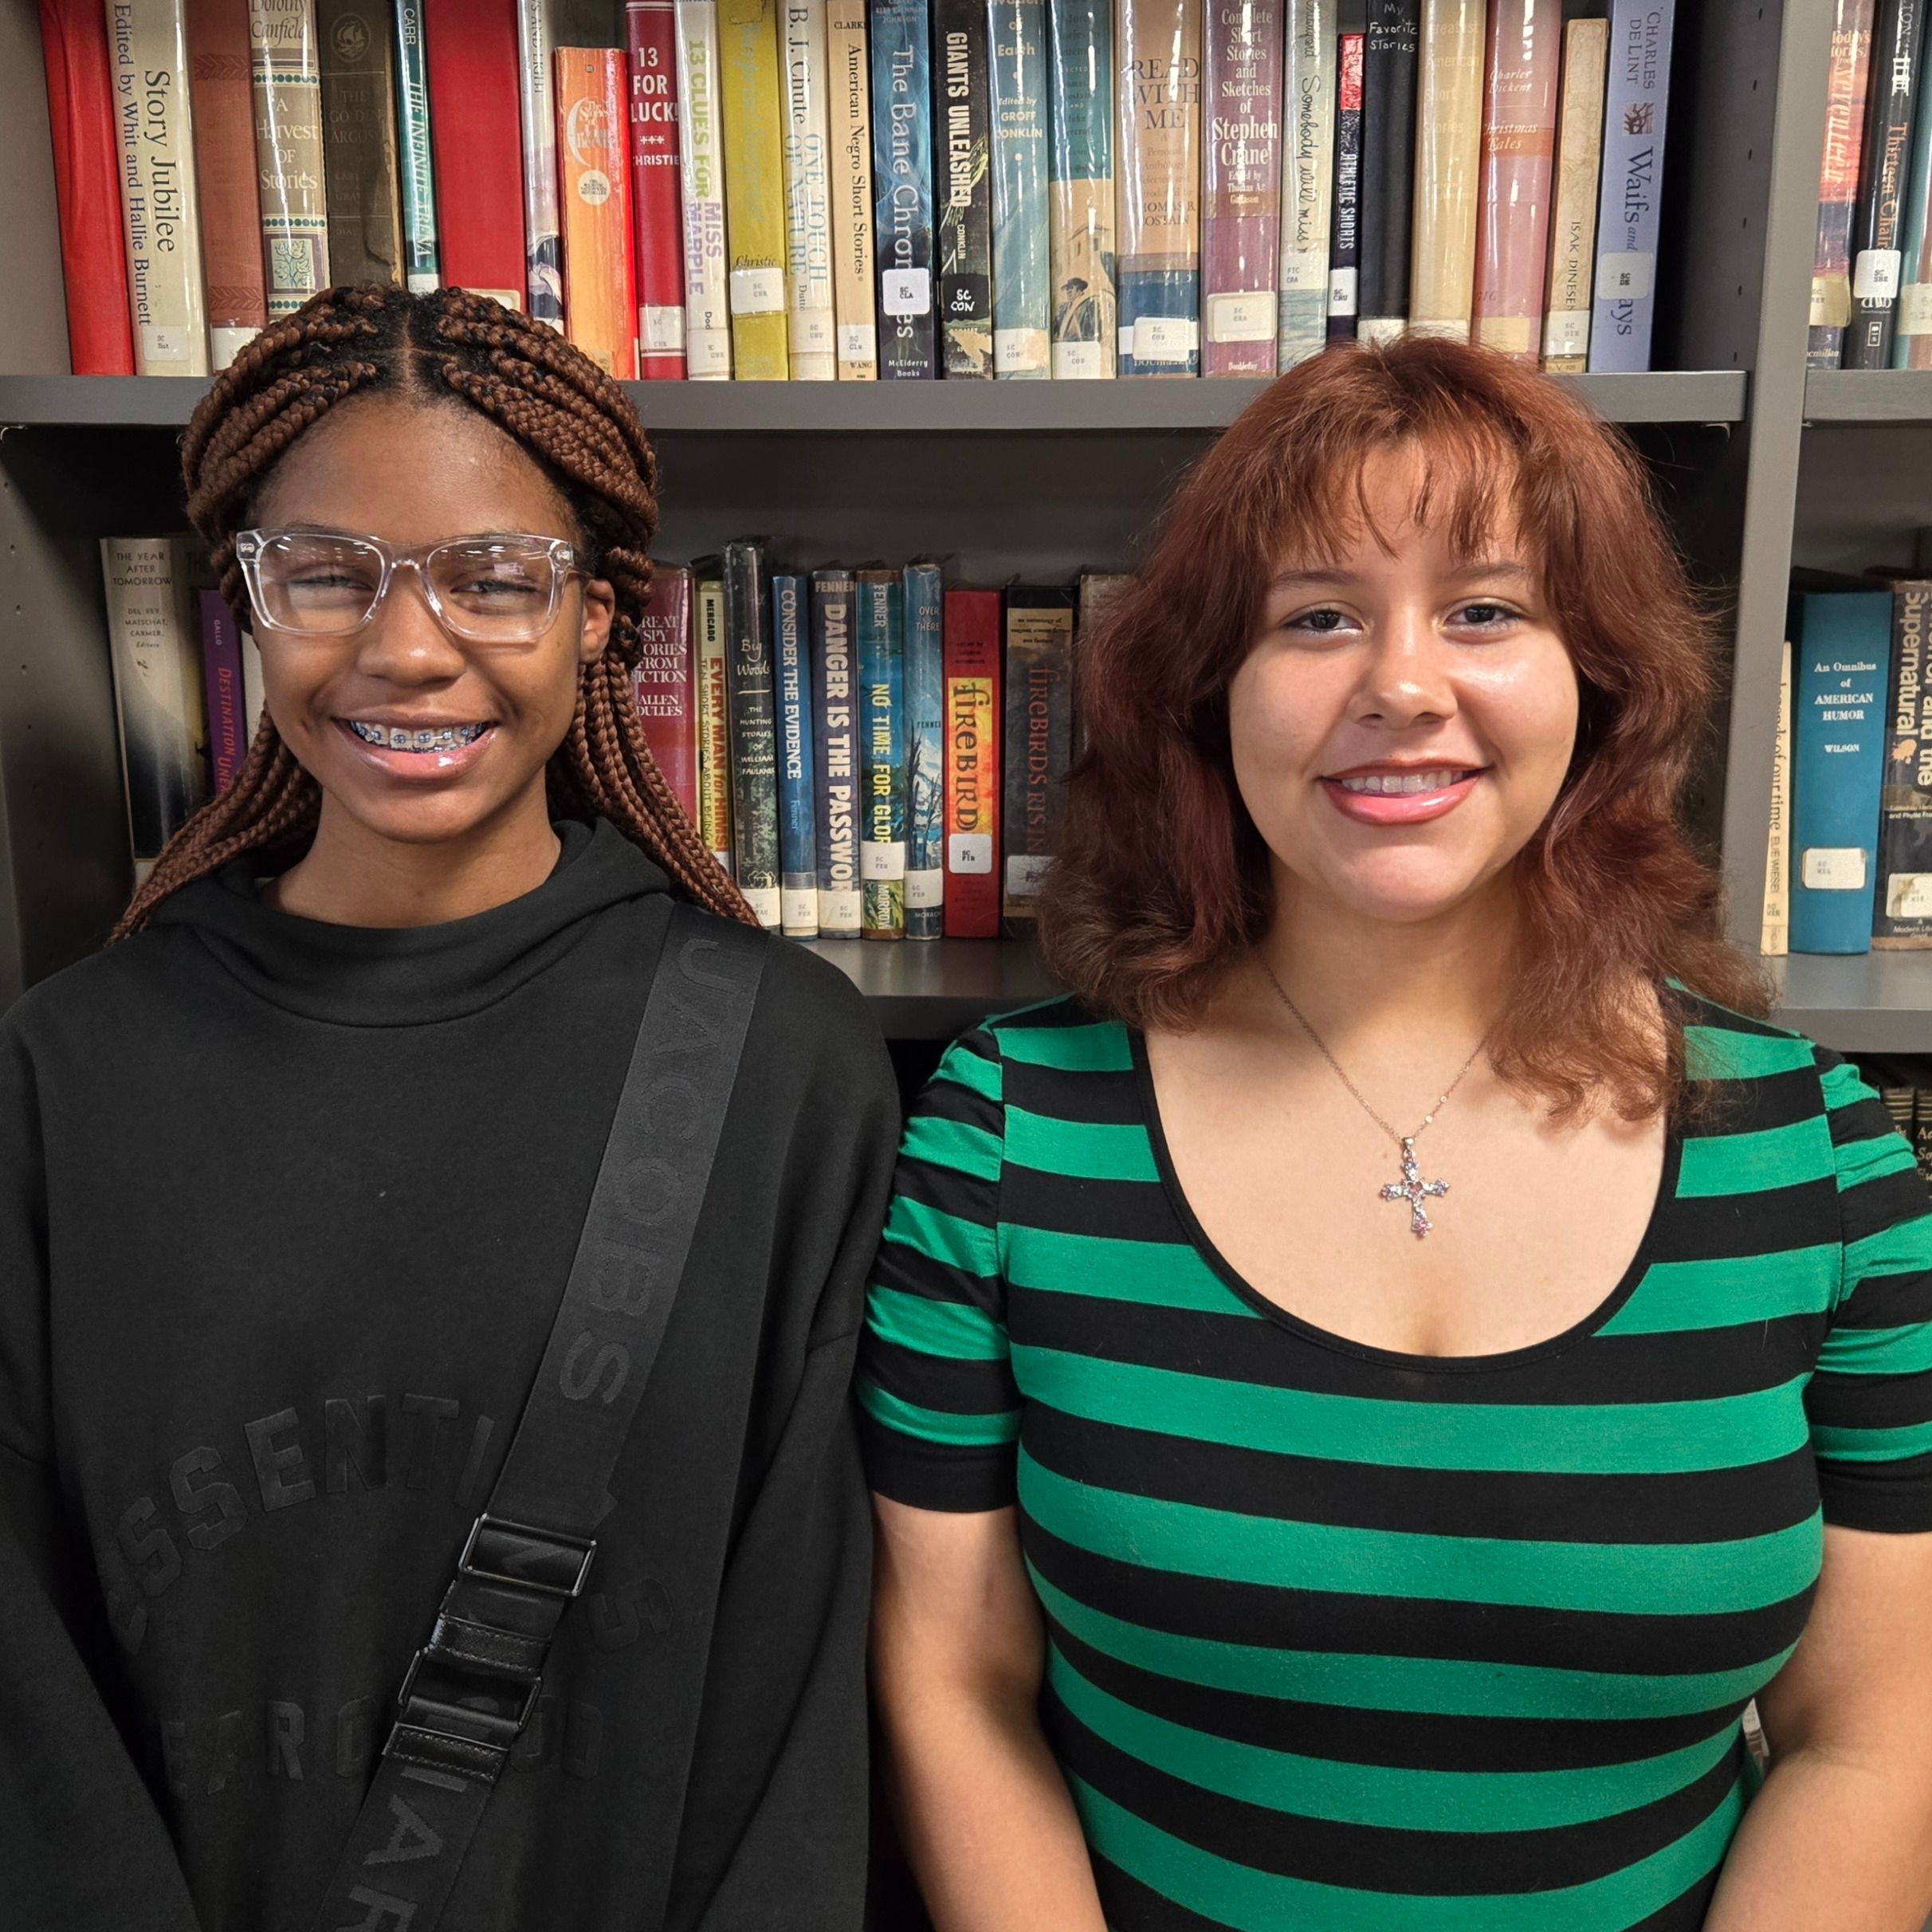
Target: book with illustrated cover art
(600,298)
(700,167)
(291,169)
(963,236)
(1241,195)
(476,132)
(798,844)
(225,177)
(650,28)
(1449,129)
(902,187)
(925,754)
(1308,83)
(1080,218)
(972,658)
(1573,233)
(1519,141)
(358,59)
(1902,908)
(849,130)
(664,683)
(808,229)
(754,188)
(1022,296)
(754,731)
(879,629)
(835,751)
(1157,159)
(1038,743)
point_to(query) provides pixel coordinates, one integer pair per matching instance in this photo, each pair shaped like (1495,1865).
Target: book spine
(357,59)
(1912,314)
(835,753)
(664,683)
(600,297)
(290,169)
(87,184)
(650,31)
(925,752)
(1842,645)
(1901,911)
(713,725)
(1094,591)
(1775,940)
(1921,1131)
(1390,45)
(225,179)
(882,773)
(972,764)
(903,187)
(223,688)
(754,188)
(1241,199)
(1038,735)
(542,241)
(252,695)
(1579,152)
(1080,188)
(1307,179)
(1877,229)
(754,741)
(1346,234)
(963,227)
(475,127)
(849,130)
(156,705)
(1157,108)
(1448,166)
(700,158)
(1016,117)
(148,62)
(1637,95)
(798,847)
(1519,145)
(1846,76)
(415,153)
(811,312)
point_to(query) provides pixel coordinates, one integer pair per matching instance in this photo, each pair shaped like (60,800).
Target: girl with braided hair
(292,1174)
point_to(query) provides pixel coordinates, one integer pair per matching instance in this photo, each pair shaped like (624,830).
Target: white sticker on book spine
(1831,301)
(1026,872)
(424,284)
(1302,271)
(1624,278)
(970,852)
(165,343)
(1875,274)
(1163,339)
(859,342)
(1019,351)
(926,887)
(1834,869)
(1381,328)
(906,292)
(660,329)
(225,344)
(762,900)
(1124,346)
(1247,316)
(1915,312)
(877,860)
(1341,292)
(811,331)
(1566,332)
(1908,895)
(800,908)
(757,291)
(1078,362)
(840,909)
(707,354)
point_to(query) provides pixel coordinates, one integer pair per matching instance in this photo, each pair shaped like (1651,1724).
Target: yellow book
(1573,226)
(1448,153)
(754,186)
(1776,939)
(713,723)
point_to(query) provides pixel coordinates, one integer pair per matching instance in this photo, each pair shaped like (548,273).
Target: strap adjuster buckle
(547,1561)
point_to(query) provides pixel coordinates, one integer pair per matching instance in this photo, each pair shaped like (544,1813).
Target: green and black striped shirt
(1349,1641)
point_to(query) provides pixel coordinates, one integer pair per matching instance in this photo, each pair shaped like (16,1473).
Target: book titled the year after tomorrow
(902,186)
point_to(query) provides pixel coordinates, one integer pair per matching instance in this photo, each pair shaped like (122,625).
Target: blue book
(1080,187)
(902,186)
(882,755)
(835,751)
(925,752)
(1017,159)
(1841,657)
(1631,194)
(798,845)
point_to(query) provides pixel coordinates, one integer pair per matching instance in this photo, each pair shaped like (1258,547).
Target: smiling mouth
(1404,784)
(402,738)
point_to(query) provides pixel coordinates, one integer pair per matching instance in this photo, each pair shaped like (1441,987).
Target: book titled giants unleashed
(964,239)
(1039,647)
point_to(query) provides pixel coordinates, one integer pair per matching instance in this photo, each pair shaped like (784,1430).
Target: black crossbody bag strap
(473,1685)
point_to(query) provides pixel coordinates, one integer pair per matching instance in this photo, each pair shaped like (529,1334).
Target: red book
(656,200)
(221,96)
(972,661)
(93,257)
(666,685)
(476,139)
(1519,140)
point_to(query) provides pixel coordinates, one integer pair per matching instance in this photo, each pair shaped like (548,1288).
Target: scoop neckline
(1637,1267)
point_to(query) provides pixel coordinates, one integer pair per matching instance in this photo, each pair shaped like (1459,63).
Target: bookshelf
(1756,465)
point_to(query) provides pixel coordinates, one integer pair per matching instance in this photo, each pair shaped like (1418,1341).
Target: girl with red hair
(1363,1393)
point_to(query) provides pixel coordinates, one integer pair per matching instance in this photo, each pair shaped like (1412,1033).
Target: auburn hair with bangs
(1163,882)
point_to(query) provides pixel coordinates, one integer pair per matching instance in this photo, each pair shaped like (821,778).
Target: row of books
(868,752)
(1910,1107)
(1871,279)
(825,190)
(1849,864)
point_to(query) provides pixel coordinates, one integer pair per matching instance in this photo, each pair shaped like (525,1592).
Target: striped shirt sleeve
(1870,1400)
(939,1416)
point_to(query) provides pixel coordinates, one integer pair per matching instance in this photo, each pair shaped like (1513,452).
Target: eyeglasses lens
(495,589)
(316,582)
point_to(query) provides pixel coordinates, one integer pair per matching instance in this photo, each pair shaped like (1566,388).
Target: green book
(882,778)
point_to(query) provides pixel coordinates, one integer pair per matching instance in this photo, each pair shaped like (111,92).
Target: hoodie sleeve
(776,1812)
(81,1844)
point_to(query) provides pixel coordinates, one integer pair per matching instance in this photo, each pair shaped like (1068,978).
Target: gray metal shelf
(1857,1003)
(932,989)
(1691,396)
(1868,395)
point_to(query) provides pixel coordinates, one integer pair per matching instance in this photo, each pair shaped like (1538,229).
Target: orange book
(600,300)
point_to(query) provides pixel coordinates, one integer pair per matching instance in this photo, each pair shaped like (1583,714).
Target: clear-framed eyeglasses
(501,589)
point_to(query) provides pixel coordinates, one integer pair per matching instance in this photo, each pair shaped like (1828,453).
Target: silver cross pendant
(1415,1190)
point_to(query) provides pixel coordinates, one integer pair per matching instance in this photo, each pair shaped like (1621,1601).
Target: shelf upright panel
(33,306)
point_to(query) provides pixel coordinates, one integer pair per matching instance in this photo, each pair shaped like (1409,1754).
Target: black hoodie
(286,1211)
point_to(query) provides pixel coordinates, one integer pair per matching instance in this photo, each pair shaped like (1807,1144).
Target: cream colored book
(147,62)
(1573,221)
(1308,180)
(701,154)
(808,233)
(849,131)
(287,74)
(1448,167)
(1777,939)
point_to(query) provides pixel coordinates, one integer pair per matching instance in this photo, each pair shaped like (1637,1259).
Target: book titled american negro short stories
(849,129)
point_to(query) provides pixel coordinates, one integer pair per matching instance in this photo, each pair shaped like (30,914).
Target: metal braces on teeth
(397,738)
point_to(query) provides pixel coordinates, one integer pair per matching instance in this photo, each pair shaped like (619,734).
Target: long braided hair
(567,414)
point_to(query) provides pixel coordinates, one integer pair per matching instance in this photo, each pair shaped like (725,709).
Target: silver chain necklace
(1411,1187)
